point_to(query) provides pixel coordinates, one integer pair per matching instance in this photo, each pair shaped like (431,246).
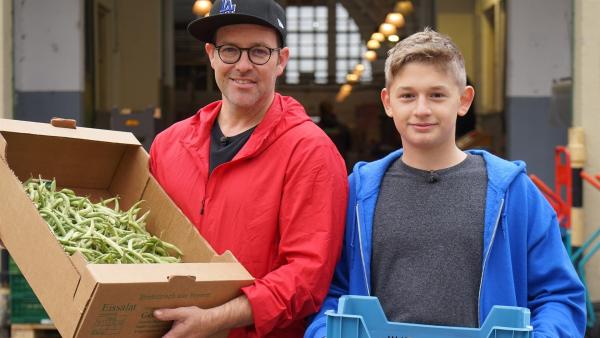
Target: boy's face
(424,102)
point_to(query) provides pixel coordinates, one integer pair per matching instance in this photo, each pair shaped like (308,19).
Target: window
(307,39)
(349,48)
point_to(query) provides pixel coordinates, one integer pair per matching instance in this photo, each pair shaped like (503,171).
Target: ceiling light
(395,19)
(201,7)
(404,7)
(373,44)
(371,55)
(393,38)
(387,29)
(378,36)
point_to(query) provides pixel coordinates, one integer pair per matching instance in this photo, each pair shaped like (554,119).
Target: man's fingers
(178,330)
(171,314)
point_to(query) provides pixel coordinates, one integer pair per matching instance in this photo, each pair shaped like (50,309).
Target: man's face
(243,84)
(424,102)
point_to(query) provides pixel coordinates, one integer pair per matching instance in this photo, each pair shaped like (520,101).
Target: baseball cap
(231,12)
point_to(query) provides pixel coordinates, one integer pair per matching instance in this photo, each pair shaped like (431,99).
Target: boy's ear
(466,99)
(385,99)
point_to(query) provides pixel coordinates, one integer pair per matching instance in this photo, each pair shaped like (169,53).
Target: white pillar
(6,64)
(48,59)
(586,114)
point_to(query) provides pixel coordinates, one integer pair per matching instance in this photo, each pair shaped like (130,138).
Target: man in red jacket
(257,177)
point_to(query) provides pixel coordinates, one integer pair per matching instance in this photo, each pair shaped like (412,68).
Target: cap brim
(204,29)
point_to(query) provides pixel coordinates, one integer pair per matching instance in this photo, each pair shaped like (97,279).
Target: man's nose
(244,61)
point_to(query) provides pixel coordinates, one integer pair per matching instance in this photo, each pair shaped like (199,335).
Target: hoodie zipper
(362,258)
(485,259)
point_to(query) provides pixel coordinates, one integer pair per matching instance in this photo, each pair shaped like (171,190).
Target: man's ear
(209,48)
(466,99)
(283,57)
(385,99)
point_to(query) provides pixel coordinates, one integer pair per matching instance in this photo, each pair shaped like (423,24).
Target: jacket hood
(284,114)
(368,175)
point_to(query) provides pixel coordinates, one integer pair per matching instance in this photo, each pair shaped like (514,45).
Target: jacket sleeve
(340,283)
(152,159)
(556,296)
(311,225)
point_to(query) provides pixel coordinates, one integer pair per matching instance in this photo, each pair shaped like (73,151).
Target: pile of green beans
(100,231)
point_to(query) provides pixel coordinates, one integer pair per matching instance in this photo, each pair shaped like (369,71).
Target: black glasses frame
(247,50)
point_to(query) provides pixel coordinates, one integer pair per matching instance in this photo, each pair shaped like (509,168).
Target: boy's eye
(438,95)
(406,96)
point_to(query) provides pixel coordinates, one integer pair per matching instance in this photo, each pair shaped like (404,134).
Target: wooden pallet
(33,331)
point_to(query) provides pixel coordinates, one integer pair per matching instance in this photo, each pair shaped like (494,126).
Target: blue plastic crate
(363,317)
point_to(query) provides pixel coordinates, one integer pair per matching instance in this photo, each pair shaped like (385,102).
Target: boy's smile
(423,127)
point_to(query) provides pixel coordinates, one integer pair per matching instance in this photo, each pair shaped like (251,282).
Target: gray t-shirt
(427,243)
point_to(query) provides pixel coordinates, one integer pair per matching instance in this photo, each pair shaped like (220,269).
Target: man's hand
(195,322)
(188,322)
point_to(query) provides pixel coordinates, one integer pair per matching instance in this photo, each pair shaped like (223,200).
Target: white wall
(539,38)
(538,46)
(586,114)
(6,84)
(49,48)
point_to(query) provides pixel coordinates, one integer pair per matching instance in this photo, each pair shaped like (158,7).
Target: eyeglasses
(258,55)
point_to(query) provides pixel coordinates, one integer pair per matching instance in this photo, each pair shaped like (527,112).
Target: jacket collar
(501,173)
(283,114)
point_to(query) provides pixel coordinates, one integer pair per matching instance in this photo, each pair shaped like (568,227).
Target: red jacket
(278,206)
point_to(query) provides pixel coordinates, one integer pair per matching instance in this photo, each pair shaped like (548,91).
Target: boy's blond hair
(428,47)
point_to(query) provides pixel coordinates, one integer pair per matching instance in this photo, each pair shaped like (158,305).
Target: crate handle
(63,123)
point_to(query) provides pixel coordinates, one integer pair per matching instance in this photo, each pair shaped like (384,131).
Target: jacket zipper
(485,259)
(203,204)
(362,258)
(206,191)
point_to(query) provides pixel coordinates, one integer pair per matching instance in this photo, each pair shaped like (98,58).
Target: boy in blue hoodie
(440,235)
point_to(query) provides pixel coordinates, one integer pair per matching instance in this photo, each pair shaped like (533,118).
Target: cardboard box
(102,300)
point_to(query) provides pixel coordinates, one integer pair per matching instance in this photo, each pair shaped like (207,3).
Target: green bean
(100,231)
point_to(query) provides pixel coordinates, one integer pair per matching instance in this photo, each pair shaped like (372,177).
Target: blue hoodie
(524,261)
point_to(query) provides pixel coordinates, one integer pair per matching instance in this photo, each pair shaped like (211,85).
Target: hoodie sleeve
(311,225)
(339,285)
(556,296)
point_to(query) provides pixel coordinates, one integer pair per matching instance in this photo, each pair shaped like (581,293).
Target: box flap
(226,257)
(75,163)
(81,133)
(131,177)
(157,273)
(2,148)
(28,239)
(170,224)
(87,284)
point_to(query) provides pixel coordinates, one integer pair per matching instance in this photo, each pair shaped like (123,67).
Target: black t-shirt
(223,148)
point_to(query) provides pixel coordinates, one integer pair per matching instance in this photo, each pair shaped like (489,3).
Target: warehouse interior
(132,66)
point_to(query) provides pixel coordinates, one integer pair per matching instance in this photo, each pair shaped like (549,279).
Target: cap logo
(280,23)
(227,7)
